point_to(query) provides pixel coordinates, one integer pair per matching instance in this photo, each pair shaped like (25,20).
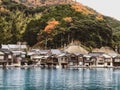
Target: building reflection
(59,79)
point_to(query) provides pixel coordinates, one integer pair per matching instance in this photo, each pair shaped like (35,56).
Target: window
(108,63)
(100,63)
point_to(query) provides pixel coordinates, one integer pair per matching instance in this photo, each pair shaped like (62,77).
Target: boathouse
(6,56)
(89,60)
(99,59)
(116,61)
(76,54)
(63,60)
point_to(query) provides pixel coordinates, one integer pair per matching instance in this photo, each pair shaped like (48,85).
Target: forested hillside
(56,25)
(115,25)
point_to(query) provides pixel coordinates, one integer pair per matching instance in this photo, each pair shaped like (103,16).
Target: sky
(106,7)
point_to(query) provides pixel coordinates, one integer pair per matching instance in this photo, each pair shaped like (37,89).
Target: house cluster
(12,54)
(72,56)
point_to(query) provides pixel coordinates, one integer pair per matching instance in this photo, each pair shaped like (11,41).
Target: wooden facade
(73,60)
(116,61)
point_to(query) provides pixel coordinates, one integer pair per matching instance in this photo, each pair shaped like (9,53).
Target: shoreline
(70,67)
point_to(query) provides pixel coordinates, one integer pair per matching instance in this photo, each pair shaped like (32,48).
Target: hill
(56,25)
(34,3)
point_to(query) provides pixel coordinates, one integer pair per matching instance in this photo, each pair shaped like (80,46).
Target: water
(59,79)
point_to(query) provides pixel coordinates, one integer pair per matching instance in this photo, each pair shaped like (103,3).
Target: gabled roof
(87,56)
(5,46)
(106,56)
(38,52)
(30,53)
(62,55)
(14,46)
(44,51)
(95,54)
(99,54)
(55,51)
(5,51)
(18,52)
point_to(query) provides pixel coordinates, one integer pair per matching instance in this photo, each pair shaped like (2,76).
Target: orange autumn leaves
(80,8)
(68,19)
(51,25)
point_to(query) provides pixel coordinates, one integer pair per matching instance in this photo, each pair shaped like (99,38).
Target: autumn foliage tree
(51,24)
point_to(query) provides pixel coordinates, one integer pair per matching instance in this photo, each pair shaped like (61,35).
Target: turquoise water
(59,79)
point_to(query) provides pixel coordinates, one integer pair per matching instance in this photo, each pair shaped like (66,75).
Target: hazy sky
(105,7)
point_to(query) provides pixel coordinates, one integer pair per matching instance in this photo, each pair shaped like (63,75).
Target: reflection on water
(59,79)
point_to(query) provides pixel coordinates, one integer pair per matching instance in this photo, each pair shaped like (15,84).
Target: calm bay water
(59,79)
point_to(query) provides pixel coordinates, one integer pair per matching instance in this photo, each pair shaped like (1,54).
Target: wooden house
(89,60)
(6,56)
(63,60)
(108,61)
(18,53)
(116,61)
(98,59)
(73,60)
